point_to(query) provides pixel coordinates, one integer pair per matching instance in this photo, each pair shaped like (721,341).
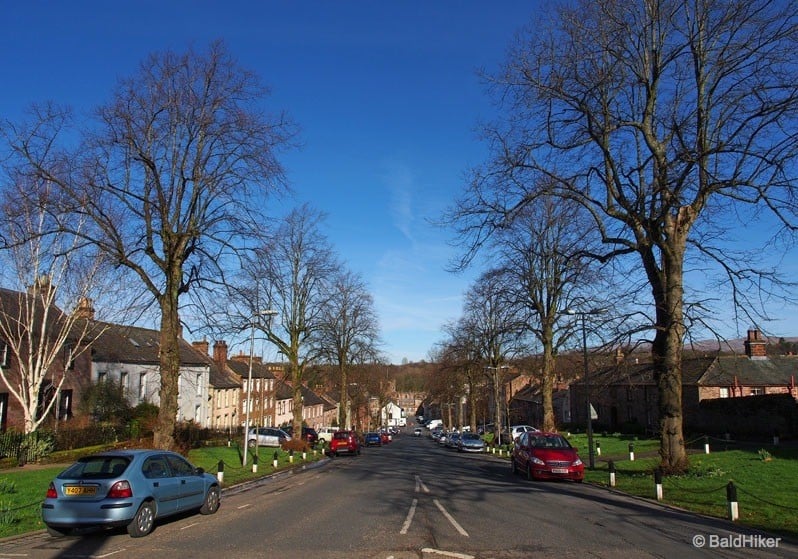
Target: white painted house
(391,415)
(129,356)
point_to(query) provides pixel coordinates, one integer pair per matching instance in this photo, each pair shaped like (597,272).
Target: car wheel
(58,532)
(252,443)
(143,522)
(212,501)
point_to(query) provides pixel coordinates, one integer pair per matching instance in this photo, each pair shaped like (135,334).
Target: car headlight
(538,461)
(577,462)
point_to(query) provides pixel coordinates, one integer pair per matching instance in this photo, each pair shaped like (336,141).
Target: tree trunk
(549,423)
(164,431)
(343,412)
(667,355)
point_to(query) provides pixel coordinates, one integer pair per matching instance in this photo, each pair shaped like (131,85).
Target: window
(123,381)
(724,392)
(3,354)
(3,411)
(199,384)
(142,386)
(65,405)
(69,357)
(757,391)
(101,376)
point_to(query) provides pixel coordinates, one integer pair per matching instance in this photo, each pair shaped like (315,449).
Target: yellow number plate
(73,490)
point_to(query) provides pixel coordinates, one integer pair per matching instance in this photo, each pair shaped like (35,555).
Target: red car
(546,456)
(344,442)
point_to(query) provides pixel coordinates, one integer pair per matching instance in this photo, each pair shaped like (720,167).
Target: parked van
(325,433)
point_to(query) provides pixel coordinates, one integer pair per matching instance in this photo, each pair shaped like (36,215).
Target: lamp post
(582,315)
(254,317)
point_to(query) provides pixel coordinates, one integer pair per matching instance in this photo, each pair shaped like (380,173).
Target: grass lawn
(22,489)
(766,493)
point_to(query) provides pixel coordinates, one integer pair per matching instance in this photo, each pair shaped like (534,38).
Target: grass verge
(22,489)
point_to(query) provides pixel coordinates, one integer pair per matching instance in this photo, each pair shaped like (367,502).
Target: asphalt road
(414,499)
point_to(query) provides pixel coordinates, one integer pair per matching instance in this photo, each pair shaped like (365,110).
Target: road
(414,499)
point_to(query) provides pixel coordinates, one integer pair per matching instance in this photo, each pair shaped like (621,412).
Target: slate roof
(707,371)
(771,371)
(130,344)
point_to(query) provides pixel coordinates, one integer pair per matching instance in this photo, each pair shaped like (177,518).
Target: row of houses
(213,388)
(622,391)
(625,393)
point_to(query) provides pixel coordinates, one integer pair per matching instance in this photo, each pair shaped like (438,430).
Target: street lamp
(582,315)
(254,317)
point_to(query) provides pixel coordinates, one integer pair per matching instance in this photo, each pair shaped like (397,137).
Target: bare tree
(541,252)
(460,353)
(497,325)
(51,272)
(349,332)
(667,120)
(291,273)
(172,177)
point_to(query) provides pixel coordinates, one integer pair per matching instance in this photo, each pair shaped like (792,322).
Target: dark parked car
(542,455)
(344,442)
(309,434)
(372,439)
(131,488)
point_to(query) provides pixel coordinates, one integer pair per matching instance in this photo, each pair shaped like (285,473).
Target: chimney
(85,308)
(201,346)
(755,346)
(220,352)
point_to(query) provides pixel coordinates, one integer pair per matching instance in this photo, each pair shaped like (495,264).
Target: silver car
(131,488)
(267,436)
(470,442)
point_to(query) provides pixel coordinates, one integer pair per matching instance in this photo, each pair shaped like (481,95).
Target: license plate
(559,470)
(76,490)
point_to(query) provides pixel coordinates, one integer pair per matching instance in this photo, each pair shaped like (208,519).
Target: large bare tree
(542,254)
(292,273)
(172,174)
(668,120)
(349,332)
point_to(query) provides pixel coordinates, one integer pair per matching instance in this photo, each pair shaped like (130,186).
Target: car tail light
(120,490)
(51,493)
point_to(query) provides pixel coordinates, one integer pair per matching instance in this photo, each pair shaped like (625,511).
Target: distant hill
(776,345)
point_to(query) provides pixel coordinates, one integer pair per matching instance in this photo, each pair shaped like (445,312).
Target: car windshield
(469,436)
(549,441)
(96,467)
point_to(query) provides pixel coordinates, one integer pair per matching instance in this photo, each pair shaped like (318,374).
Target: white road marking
(189,526)
(450,518)
(420,485)
(447,553)
(239,507)
(409,518)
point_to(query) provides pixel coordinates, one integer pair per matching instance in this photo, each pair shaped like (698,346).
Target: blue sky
(386,95)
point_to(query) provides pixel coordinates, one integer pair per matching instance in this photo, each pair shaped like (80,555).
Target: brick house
(76,374)
(625,393)
(224,388)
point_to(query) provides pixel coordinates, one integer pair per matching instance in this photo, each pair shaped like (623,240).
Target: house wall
(142,383)
(12,416)
(223,413)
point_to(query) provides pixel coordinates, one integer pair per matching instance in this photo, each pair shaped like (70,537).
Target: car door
(191,485)
(164,488)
